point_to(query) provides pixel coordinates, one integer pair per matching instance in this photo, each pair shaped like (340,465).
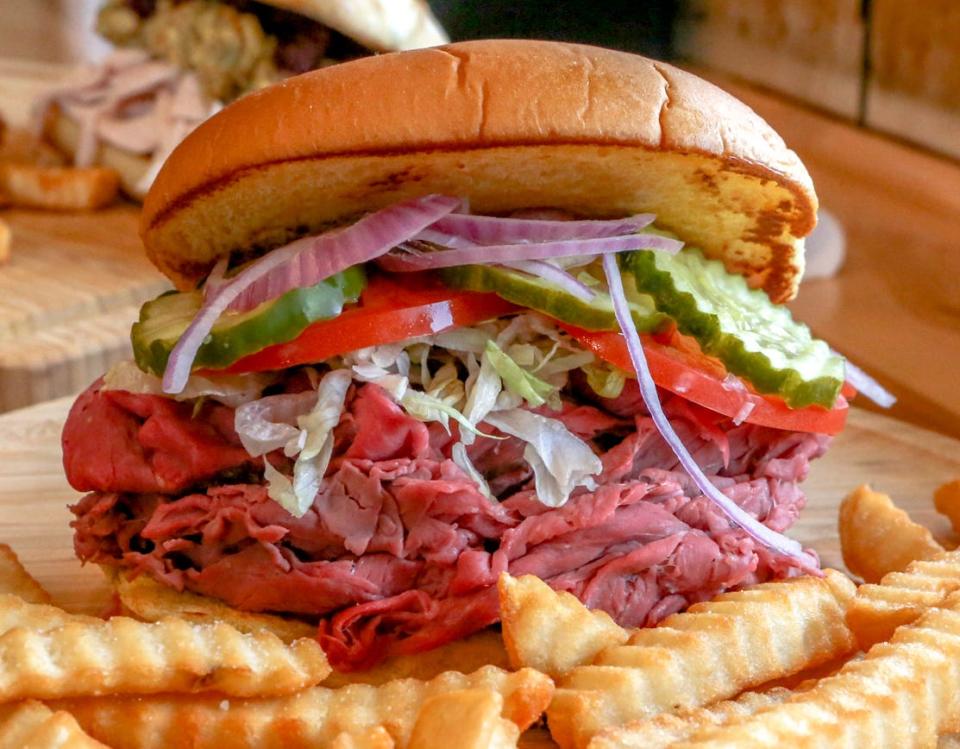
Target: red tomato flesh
(678,365)
(395,308)
(391,309)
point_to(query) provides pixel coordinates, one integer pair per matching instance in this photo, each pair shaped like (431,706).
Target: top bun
(505,124)
(379,25)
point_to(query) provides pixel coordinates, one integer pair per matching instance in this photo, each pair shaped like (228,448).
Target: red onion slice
(494,230)
(648,390)
(304,262)
(868,386)
(556,276)
(312,259)
(486,254)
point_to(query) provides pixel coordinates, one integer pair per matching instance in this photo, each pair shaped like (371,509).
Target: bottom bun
(145,598)
(64,133)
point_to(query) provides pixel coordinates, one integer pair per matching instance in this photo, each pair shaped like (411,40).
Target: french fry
(6,235)
(58,188)
(147,599)
(465,719)
(877,537)
(481,649)
(33,725)
(38,617)
(904,693)
(14,578)
(310,718)
(370,738)
(711,652)
(662,731)
(947,501)
(902,597)
(551,631)
(122,655)
(21,146)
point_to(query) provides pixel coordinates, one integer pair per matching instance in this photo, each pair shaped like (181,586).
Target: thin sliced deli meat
(400,551)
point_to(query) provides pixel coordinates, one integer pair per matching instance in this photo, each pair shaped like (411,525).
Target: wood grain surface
(68,295)
(907,462)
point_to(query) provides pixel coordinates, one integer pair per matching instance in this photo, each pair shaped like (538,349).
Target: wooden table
(895,307)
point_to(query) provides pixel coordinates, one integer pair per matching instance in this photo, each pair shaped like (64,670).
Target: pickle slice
(235,335)
(543,296)
(752,336)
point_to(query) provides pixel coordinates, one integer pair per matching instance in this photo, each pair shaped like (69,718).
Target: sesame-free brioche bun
(506,124)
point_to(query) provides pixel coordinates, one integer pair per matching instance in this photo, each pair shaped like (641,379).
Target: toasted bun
(380,25)
(64,133)
(507,124)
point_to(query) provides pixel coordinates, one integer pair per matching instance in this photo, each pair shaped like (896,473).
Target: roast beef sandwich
(499,305)
(178,61)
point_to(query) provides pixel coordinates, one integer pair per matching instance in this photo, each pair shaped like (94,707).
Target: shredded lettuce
(561,462)
(487,374)
(516,379)
(605,380)
(231,390)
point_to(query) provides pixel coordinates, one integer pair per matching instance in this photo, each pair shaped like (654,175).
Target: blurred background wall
(890,65)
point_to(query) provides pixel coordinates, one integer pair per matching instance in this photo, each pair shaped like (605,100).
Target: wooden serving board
(68,295)
(903,460)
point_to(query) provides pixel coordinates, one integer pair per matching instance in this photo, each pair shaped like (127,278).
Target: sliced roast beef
(400,551)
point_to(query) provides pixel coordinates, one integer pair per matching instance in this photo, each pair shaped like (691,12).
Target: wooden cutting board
(903,460)
(68,295)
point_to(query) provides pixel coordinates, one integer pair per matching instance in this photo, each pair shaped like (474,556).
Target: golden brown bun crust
(64,133)
(380,25)
(507,124)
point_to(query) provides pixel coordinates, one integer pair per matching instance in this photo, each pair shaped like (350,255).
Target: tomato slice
(678,365)
(395,308)
(391,309)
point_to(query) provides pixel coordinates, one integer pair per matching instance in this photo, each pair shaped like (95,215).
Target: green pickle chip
(755,338)
(237,334)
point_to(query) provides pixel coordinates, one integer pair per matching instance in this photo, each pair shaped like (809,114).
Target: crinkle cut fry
(465,719)
(311,718)
(39,617)
(664,730)
(15,580)
(904,694)
(549,630)
(33,725)
(124,656)
(902,597)
(711,652)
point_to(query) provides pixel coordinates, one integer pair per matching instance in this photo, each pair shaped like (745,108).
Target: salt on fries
(711,652)
(877,537)
(946,499)
(15,579)
(465,719)
(371,738)
(902,597)
(664,730)
(551,631)
(33,725)
(902,694)
(122,655)
(58,188)
(310,718)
